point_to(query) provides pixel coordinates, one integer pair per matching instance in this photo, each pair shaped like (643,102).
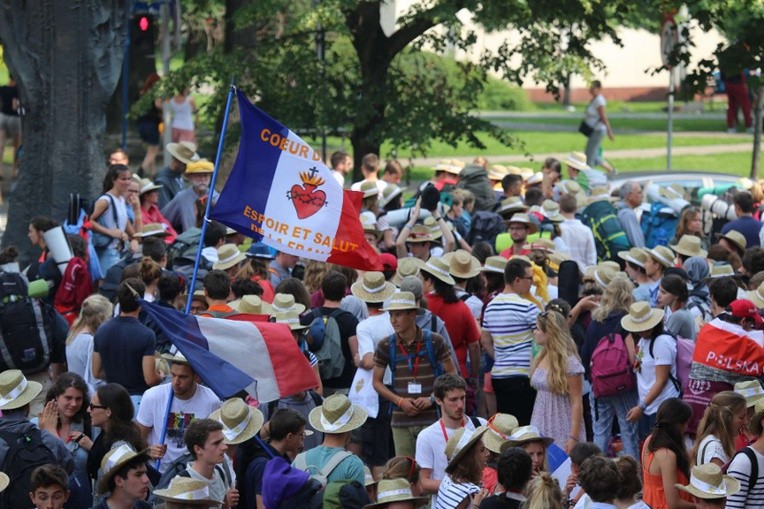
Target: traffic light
(143,33)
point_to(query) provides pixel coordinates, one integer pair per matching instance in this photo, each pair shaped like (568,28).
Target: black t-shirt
(500,502)
(7,95)
(347,324)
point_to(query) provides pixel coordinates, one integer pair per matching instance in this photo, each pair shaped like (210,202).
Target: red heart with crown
(307,199)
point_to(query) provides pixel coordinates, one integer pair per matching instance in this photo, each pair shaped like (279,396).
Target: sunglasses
(94,406)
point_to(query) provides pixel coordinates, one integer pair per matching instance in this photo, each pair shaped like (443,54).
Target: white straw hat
(240,421)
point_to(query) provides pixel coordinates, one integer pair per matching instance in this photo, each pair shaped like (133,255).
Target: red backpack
(611,372)
(75,287)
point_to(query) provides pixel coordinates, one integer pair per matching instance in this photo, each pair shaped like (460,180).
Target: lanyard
(443,428)
(415,366)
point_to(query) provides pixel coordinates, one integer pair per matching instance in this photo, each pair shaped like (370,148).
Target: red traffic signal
(144,23)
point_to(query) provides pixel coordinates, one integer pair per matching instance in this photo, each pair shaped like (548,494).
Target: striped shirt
(510,319)
(451,494)
(740,469)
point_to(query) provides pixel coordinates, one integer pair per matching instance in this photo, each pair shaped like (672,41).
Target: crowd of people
(521,317)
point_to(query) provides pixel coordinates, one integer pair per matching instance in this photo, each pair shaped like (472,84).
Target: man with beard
(181,211)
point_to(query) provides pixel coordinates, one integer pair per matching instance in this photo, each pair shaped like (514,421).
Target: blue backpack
(428,351)
(659,225)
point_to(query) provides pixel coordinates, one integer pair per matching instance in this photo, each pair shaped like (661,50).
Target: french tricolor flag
(280,191)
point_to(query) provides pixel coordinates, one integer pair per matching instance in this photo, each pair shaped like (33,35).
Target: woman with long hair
(95,310)
(460,487)
(558,376)
(690,223)
(742,468)
(664,458)
(109,219)
(717,431)
(606,324)
(149,273)
(296,289)
(404,467)
(672,297)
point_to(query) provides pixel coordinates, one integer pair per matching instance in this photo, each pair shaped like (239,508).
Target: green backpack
(609,237)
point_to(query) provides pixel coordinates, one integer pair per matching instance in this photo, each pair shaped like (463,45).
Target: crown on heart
(313,180)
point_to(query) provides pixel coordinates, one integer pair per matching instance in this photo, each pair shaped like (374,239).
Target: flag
(280,191)
(726,347)
(230,355)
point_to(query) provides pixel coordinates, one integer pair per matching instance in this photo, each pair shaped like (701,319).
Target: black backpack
(26,452)
(179,467)
(485,227)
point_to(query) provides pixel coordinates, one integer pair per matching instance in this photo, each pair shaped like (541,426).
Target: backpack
(179,467)
(99,240)
(26,451)
(474,178)
(754,477)
(659,225)
(276,467)
(684,350)
(26,337)
(75,287)
(274,405)
(610,370)
(428,351)
(485,227)
(183,250)
(345,494)
(322,475)
(609,236)
(326,337)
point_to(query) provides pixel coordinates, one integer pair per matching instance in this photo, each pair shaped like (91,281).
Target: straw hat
(372,288)
(603,276)
(187,491)
(147,185)
(461,264)
(396,490)
(569,187)
(370,225)
(240,421)
(524,219)
(420,233)
(402,301)
(408,266)
(737,239)
(285,302)
(525,435)
(535,179)
(610,265)
(708,482)
(461,441)
(541,244)
(551,210)
(15,390)
(4,481)
(757,296)
(512,204)
(526,173)
(718,270)
(500,427)
(202,166)
(389,193)
(689,245)
(253,305)
(663,255)
(751,390)
(635,255)
(368,479)
(337,415)
(576,160)
(555,259)
(453,166)
(185,151)
(641,317)
(176,358)
(495,264)
(439,269)
(228,256)
(291,319)
(151,230)
(369,189)
(121,454)
(514,170)
(432,225)
(497,172)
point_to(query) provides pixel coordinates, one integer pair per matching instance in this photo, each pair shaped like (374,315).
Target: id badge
(415,388)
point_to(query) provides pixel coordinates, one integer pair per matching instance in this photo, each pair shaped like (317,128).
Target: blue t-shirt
(122,343)
(748,226)
(351,468)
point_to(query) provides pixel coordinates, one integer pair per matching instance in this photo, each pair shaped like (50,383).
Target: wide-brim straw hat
(151,230)
(147,185)
(434,228)
(641,317)
(252,305)
(184,151)
(370,225)
(200,167)
(551,211)
(523,219)
(175,358)
(526,435)
(461,441)
(555,259)
(4,481)
(708,482)
(439,269)
(461,264)
(689,245)
(718,270)
(187,491)
(663,255)
(569,187)
(495,264)
(535,179)
(16,391)
(757,296)
(408,266)
(497,172)
(576,160)
(120,454)
(337,415)
(369,189)
(511,205)
(419,233)
(240,421)
(635,255)
(737,239)
(541,244)
(402,301)
(285,302)
(372,287)
(228,256)
(389,193)
(751,390)
(396,490)
(291,319)
(368,479)
(500,427)
(603,276)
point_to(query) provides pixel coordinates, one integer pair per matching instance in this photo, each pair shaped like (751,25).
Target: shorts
(376,436)
(148,130)
(10,124)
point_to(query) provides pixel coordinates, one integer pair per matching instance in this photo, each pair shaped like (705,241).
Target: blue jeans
(107,257)
(593,148)
(646,425)
(608,408)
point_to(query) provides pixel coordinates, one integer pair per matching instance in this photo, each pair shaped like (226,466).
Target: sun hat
(718,270)
(689,245)
(576,160)
(202,166)
(412,284)
(419,233)
(240,421)
(147,185)
(372,287)
(402,301)
(291,319)
(551,210)
(744,308)
(500,427)
(396,490)
(555,259)
(708,482)
(757,296)
(370,225)
(408,266)
(641,317)
(609,264)
(751,390)
(535,179)
(738,240)
(663,255)
(439,269)
(175,358)
(455,166)
(252,305)
(4,481)
(541,244)
(187,491)
(368,479)
(389,193)
(514,170)
(151,230)
(497,172)
(285,302)
(523,219)
(259,250)
(525,435)
(184,151)
(512,204)
(635,255)
(526,173)
(569,187)
(495,264)
(119,455)
(369,189)
(461,441)
(462,264)
(15,390)
(603,276)
(228,256)
(337,415)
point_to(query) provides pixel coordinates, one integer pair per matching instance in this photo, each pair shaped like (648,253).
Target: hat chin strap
(341,421)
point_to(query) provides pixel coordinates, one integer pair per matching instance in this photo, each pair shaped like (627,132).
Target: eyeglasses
(94,406)
(529,278)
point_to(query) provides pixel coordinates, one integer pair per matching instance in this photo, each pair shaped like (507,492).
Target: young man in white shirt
(577,236)
(206,443)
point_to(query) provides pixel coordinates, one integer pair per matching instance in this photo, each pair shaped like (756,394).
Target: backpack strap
(300,463)
(391,360)
(475,421)
(433,322)
(436,366)
(333,463)
(316,397)
(753,479)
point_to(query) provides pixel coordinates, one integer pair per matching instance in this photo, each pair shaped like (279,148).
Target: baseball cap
(412,284)
(389,262)
(743,308)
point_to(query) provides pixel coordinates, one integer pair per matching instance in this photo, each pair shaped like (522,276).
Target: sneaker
(749,130)
(732,130)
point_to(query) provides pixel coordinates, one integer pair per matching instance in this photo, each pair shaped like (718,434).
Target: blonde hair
(617,296)
(314,274)
(559,348)
(95,310)
(719,420)
(543,493)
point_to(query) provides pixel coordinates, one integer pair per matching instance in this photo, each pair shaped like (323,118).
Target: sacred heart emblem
(307,199)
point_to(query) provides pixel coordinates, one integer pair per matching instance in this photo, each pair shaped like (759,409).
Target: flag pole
(219,155)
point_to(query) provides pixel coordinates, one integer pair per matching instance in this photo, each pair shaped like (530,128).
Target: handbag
(585,129)
(99,240)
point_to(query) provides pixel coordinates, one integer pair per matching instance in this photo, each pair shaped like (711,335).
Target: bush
(498,95)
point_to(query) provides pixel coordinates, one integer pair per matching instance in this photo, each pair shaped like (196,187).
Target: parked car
(692,181)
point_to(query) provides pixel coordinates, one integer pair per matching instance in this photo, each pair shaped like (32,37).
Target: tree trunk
(66,57)
(757,125)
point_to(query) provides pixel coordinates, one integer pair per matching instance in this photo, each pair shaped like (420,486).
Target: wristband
(573,438)
(77,440)
(400,400)
(643,405)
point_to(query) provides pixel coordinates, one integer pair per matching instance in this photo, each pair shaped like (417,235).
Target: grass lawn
(700,123)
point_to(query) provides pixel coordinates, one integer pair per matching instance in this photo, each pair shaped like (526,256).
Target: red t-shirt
(460,325)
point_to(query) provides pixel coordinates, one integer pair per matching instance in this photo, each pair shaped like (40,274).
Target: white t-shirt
(474,303)
(369,333)
(592,115)
(79,355)
(710,447)
(151,413)
(664,354)
(381,185)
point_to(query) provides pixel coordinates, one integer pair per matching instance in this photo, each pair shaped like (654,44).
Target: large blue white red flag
(280,191)
(230,355)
